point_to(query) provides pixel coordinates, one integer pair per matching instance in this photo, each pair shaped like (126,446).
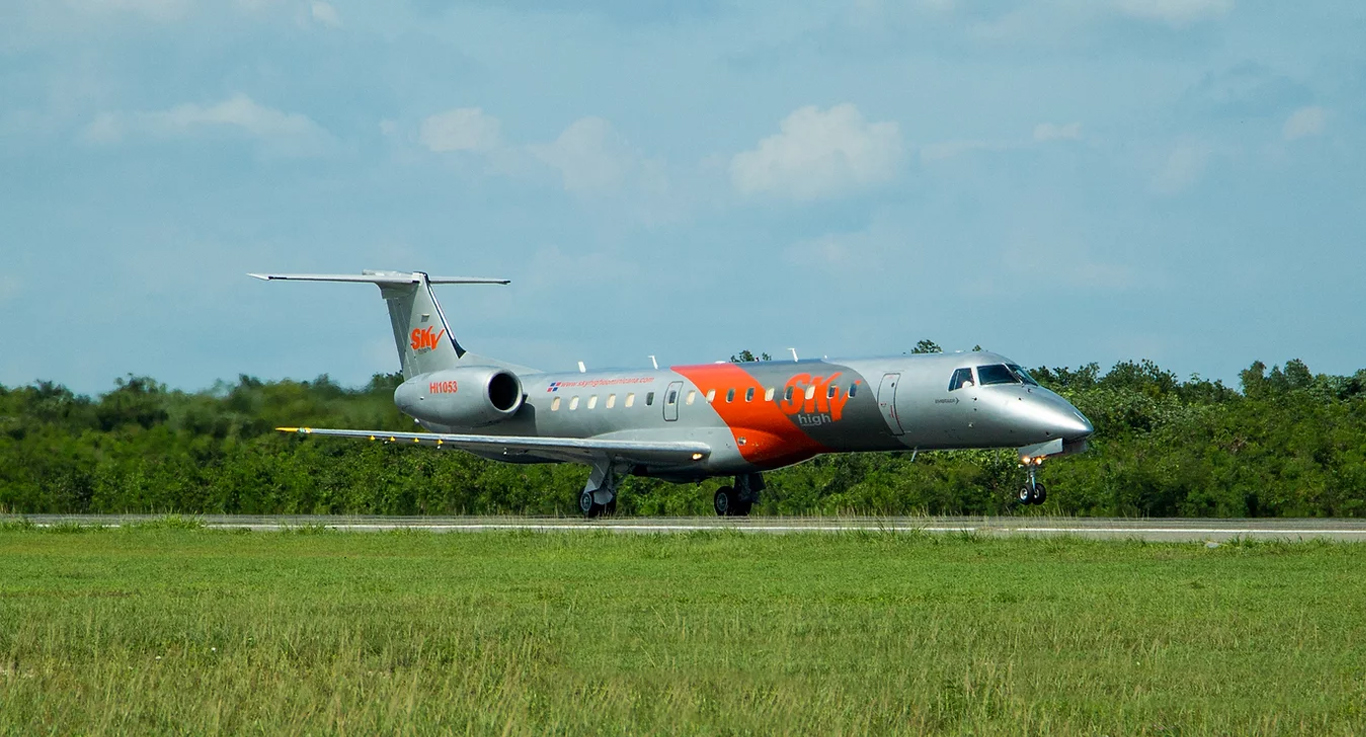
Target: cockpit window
(961,378)
(997,374)
(1024,375)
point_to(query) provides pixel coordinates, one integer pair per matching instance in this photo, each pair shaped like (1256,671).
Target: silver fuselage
(765,415)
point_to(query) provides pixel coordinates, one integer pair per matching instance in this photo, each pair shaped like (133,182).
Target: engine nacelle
(465,397)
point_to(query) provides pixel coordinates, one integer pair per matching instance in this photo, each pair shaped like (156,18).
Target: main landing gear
(736,501)
(599,495)
(1033,492)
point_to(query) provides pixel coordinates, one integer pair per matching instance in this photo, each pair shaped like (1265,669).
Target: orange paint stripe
(767,433)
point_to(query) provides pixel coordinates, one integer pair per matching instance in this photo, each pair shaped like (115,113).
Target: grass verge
(168,628)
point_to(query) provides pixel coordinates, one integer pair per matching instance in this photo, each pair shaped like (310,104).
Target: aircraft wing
(574,450)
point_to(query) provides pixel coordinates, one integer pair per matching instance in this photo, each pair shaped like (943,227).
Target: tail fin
(422,336)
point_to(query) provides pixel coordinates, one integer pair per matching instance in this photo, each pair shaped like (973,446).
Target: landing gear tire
(1025,495)
(725,502)
(610,508)
(1040,494)
(588,506)
(742,509)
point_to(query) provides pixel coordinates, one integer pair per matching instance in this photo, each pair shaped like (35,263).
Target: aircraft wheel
(724,502)
(742,509)
(587,505)
(610,508)
(1040,494)
(1025,495)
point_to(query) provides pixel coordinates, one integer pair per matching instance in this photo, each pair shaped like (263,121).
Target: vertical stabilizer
(424,340)
(422,336)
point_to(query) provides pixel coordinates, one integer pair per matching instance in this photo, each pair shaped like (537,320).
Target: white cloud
(1043,133)
(590,156)
(1176,13)
(1183,167)
(1307,121)
(461,129)
(850,251)
(820,153)
(10,286)
(325,14)
(290,133)
(1054,132)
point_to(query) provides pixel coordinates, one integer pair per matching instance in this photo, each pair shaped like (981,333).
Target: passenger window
(730,396)
(611,401)
(711,395)
(768,395)
(691,396)
(997,374)
(555,404)
(631,399)
(649,399)
(592,401)
(672,398)
(961,378)
(853,389)
(749,394)
(787,395)
(574,403)
(832,391)
(810,392)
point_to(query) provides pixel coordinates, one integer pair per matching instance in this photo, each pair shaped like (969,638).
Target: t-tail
(422,335)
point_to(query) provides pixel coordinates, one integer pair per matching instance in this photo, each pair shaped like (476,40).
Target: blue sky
(1061,181)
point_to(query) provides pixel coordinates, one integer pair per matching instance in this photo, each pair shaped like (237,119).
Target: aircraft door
(886,402)
(671,396)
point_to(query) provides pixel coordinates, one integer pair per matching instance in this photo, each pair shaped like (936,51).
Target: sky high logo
(814,400)
(424,339)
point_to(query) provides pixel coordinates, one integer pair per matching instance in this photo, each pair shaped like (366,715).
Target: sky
(1061,181)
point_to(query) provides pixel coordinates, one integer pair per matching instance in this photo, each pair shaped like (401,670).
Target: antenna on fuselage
(582,369)
(656,363)
(794,354)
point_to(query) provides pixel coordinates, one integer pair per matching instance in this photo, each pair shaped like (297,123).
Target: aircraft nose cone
(1060,419)
(1076,427)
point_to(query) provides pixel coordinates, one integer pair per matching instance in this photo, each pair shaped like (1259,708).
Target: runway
(1155,530)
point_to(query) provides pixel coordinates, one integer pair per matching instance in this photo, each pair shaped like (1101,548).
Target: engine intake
(463,397)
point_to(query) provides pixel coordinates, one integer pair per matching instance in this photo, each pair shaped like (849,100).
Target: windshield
(997,374)
(1024,375)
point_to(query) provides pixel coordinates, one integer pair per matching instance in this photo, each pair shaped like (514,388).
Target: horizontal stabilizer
(382,277)
(565,449)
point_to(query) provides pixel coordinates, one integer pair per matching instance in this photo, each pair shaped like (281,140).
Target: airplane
(687,423)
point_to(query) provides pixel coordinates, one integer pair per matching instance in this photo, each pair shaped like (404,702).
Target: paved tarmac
(1157,530)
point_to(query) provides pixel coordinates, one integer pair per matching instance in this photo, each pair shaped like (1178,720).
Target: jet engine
(464,397)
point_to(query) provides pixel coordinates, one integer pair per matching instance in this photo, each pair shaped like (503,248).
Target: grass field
(183,630)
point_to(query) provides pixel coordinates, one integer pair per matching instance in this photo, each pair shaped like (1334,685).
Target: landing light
(697,456)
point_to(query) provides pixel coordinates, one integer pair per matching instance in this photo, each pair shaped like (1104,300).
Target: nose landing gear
(1031,457)
(1033,492)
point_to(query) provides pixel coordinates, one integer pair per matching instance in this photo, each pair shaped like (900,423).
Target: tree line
(1286,442)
